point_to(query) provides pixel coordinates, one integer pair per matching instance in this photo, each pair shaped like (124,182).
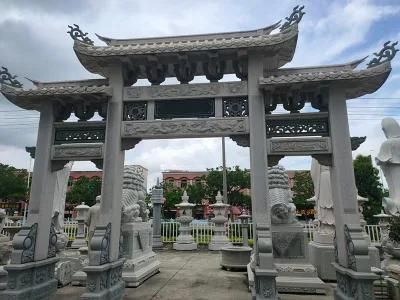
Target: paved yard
(189,275)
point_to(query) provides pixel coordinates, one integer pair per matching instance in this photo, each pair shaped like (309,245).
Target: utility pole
(224,182)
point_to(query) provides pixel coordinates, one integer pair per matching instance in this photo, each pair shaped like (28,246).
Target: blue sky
(34,43)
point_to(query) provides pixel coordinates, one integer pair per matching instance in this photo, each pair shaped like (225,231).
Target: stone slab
(301,285)
(185,247)
(134,279)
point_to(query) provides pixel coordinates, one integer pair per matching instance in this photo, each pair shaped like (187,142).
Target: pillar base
(322,256)
(264,287)
(353,285)
(104,282)
(34,280)
(185,247)
(157,242)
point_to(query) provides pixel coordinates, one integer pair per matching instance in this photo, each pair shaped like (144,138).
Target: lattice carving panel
(135,111)
(79,135)
(236,107)
(297,127)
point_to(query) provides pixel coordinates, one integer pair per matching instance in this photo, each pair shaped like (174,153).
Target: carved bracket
(24,244)
(52,242)
(99,253)
(356,248)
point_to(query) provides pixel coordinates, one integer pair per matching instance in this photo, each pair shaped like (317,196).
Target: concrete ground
(189,275)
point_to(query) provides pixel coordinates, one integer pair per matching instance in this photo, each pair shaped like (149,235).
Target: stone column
(262,263)
(81,215)
(244,224)
(31,271)
(157,200)
(185,240)
(219,239)
(353,268)
(105,259)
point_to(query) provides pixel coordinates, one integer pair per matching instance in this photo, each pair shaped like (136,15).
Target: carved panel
(304,146)
(79,134)
(52,241)
(185,128)
(77,152)
(135,111)
(301,125)
(185,91)
(236,107)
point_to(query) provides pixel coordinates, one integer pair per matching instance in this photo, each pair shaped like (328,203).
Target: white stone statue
(93,217)
(321,177)
(389,160)
(59,197)
(133,196)
(283,211)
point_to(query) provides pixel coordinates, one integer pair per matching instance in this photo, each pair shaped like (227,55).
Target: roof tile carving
(7,78)
(77,34)
(214,42)
(387,53)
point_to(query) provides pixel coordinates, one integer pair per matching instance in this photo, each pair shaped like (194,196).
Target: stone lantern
(185,240)
(157,200)
(244,224)
(219,239)
(81,215)
(383,224)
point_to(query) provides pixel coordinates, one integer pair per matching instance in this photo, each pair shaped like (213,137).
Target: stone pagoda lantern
(219,239)
(244,224)
(81,215)
(185,240)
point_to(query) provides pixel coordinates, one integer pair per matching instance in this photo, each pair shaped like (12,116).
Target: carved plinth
(141,262)
(352,285)
(33,280)
(104,282)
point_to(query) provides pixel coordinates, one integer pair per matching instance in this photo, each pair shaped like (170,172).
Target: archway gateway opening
(241,110)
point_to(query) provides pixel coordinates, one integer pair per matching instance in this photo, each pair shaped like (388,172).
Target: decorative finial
(294,18)
(77,34)
(7,78)
(387,53)
(219,197)
(185,197)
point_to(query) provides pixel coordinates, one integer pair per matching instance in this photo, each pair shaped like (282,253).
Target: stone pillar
(81,215)
(353,268)
(262,262)
(219,239)
(157,200)
(244,224)
(185,240)
(31,271)
(105,259)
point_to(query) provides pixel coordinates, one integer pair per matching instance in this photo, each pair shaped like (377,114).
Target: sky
(34,43)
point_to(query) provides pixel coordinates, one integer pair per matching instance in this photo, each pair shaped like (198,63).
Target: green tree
(12,183)
(196,192)
(172,195)
(238,180)
(369,186)
(84,190)
(303,189)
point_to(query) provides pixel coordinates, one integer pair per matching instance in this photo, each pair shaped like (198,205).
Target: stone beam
(186,91)
(77,152)
(194,128)
(299,146)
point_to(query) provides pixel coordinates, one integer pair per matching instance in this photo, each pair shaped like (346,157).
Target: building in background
(182,179)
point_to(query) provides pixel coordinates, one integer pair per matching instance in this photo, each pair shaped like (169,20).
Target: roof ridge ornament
(294,18)
(387,53)
(8,79)
(77,35)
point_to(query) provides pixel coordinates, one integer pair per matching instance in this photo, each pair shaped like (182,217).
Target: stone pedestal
(185,240)
(157,200)
(80,239)
(34,280)
(219,239)
(141,262)
(291,256)
(235,257)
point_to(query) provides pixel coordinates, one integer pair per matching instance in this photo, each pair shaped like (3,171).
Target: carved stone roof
(356,82)
(67,91)
(226,45)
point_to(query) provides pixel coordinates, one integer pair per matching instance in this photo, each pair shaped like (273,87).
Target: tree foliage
(12,183)
(303,189)
(84,190)
(238,180)
(172,195)
(369,186)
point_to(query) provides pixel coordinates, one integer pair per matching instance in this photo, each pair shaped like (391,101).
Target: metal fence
(201,231)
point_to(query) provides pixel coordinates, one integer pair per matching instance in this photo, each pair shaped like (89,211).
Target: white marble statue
(93,217)
(389,160)
(321,178)
(59,197)
(283,211)
(133,195)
